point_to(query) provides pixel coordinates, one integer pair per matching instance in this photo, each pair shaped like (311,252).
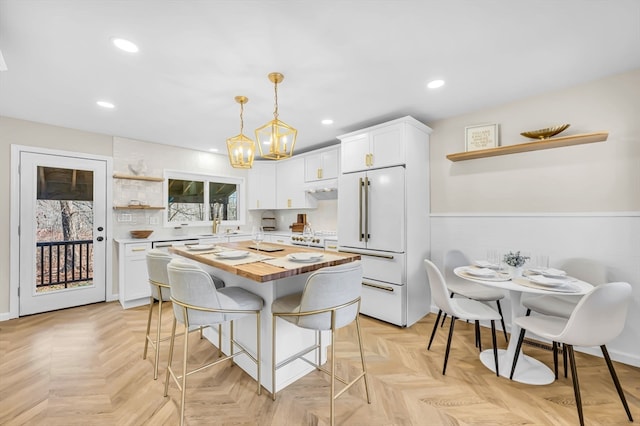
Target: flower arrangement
(515,259)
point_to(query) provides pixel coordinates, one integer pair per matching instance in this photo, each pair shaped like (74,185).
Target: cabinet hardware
(319,173)
(378,286)
(383,256)
(139,249)
(288,202)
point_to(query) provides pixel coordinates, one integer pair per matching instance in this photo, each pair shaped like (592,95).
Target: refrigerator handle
(366,210)
(360,188)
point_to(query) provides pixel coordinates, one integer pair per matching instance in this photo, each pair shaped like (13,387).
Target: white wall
(21,132)
(580,201)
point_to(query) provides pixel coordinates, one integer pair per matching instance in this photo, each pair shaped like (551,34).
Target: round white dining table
(528,370)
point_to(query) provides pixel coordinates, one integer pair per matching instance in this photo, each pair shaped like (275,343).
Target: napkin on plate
(484,264)
(480,272)
(550,272)
(541,279)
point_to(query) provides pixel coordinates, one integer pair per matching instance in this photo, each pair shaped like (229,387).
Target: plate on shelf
(232,254)
(305,257)
(199,247)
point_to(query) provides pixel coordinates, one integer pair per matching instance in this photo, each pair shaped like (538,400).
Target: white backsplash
(323,218)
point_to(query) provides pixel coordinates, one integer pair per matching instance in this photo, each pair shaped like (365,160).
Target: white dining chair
(470,290)
(598,318)
(587,270)
(458,308)
(197,303)
(330,300)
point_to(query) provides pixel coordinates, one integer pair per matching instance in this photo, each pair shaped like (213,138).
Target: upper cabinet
(376,147)
(261,186)
(291,187)
(322,164)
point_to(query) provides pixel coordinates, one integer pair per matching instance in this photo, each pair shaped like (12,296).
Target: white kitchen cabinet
(291,187)
(379,146)
(322,164)
(383,215)
(261,186)
(133,278)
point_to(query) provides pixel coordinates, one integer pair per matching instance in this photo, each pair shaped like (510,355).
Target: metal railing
(63,262)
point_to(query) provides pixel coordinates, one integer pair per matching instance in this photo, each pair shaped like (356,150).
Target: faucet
(216,225)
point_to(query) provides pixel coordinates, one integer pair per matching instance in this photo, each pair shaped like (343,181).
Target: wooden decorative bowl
(141,233)
(545,133)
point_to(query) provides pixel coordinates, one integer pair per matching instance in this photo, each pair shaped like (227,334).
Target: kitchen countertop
(153,238)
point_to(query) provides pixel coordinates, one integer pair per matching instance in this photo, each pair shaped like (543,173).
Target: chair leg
(332,413)
(564,359)
(435,327)
(273,357)
(504,328)
(157,345)
(446,353)
(554,348)
(258,353)
(231,348)
(528,313)
(445,314)
(171,345)
(185,355)
(616,382)
(515,356)
(495,346)
(219,340)
(478,337)
(576,384)
(364,368)
(146,336)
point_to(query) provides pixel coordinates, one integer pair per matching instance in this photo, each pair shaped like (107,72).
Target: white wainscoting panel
(613,239)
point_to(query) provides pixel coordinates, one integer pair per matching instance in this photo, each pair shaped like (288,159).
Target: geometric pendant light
(241,148)
(276,139)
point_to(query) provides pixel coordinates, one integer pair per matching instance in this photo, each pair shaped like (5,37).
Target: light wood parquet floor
(84,366)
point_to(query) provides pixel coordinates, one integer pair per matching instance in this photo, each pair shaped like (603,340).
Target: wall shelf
(133,177)
(137,208)
(531,146)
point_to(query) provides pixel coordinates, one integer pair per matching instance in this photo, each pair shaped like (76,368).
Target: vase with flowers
(515,262)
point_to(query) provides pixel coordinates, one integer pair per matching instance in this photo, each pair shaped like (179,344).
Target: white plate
(305,257)
(232,254)
(498,276)
(563,288)
(480,272)
(200,247)
(549,272)
(546,281)
(485,264)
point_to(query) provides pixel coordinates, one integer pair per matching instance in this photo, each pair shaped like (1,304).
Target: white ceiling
(355,61)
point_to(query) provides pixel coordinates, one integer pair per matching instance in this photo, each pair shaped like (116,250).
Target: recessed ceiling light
(327,121)
(126,45)
(435,84)
(105,104)
(213,149)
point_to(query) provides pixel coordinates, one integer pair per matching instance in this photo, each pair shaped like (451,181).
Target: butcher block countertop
(260,271)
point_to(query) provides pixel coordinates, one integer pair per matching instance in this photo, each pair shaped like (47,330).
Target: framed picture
(481,137)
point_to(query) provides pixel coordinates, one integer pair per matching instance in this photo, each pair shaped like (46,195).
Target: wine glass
(307,234)
(258,236)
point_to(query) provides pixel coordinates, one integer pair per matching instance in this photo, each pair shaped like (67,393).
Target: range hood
(327,190)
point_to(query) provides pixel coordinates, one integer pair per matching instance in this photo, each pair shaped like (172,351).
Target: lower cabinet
(133,279)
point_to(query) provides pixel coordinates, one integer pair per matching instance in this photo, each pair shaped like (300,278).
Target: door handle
(378,286)
(360,189)
(366,209)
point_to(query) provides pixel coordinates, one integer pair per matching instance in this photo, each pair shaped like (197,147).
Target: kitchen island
(269,282)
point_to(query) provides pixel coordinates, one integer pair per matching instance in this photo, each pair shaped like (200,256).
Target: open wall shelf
(531,146)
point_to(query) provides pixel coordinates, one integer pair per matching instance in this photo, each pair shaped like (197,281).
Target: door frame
(14,221)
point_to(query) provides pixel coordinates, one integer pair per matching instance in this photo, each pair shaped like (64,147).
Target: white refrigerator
(371,222)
